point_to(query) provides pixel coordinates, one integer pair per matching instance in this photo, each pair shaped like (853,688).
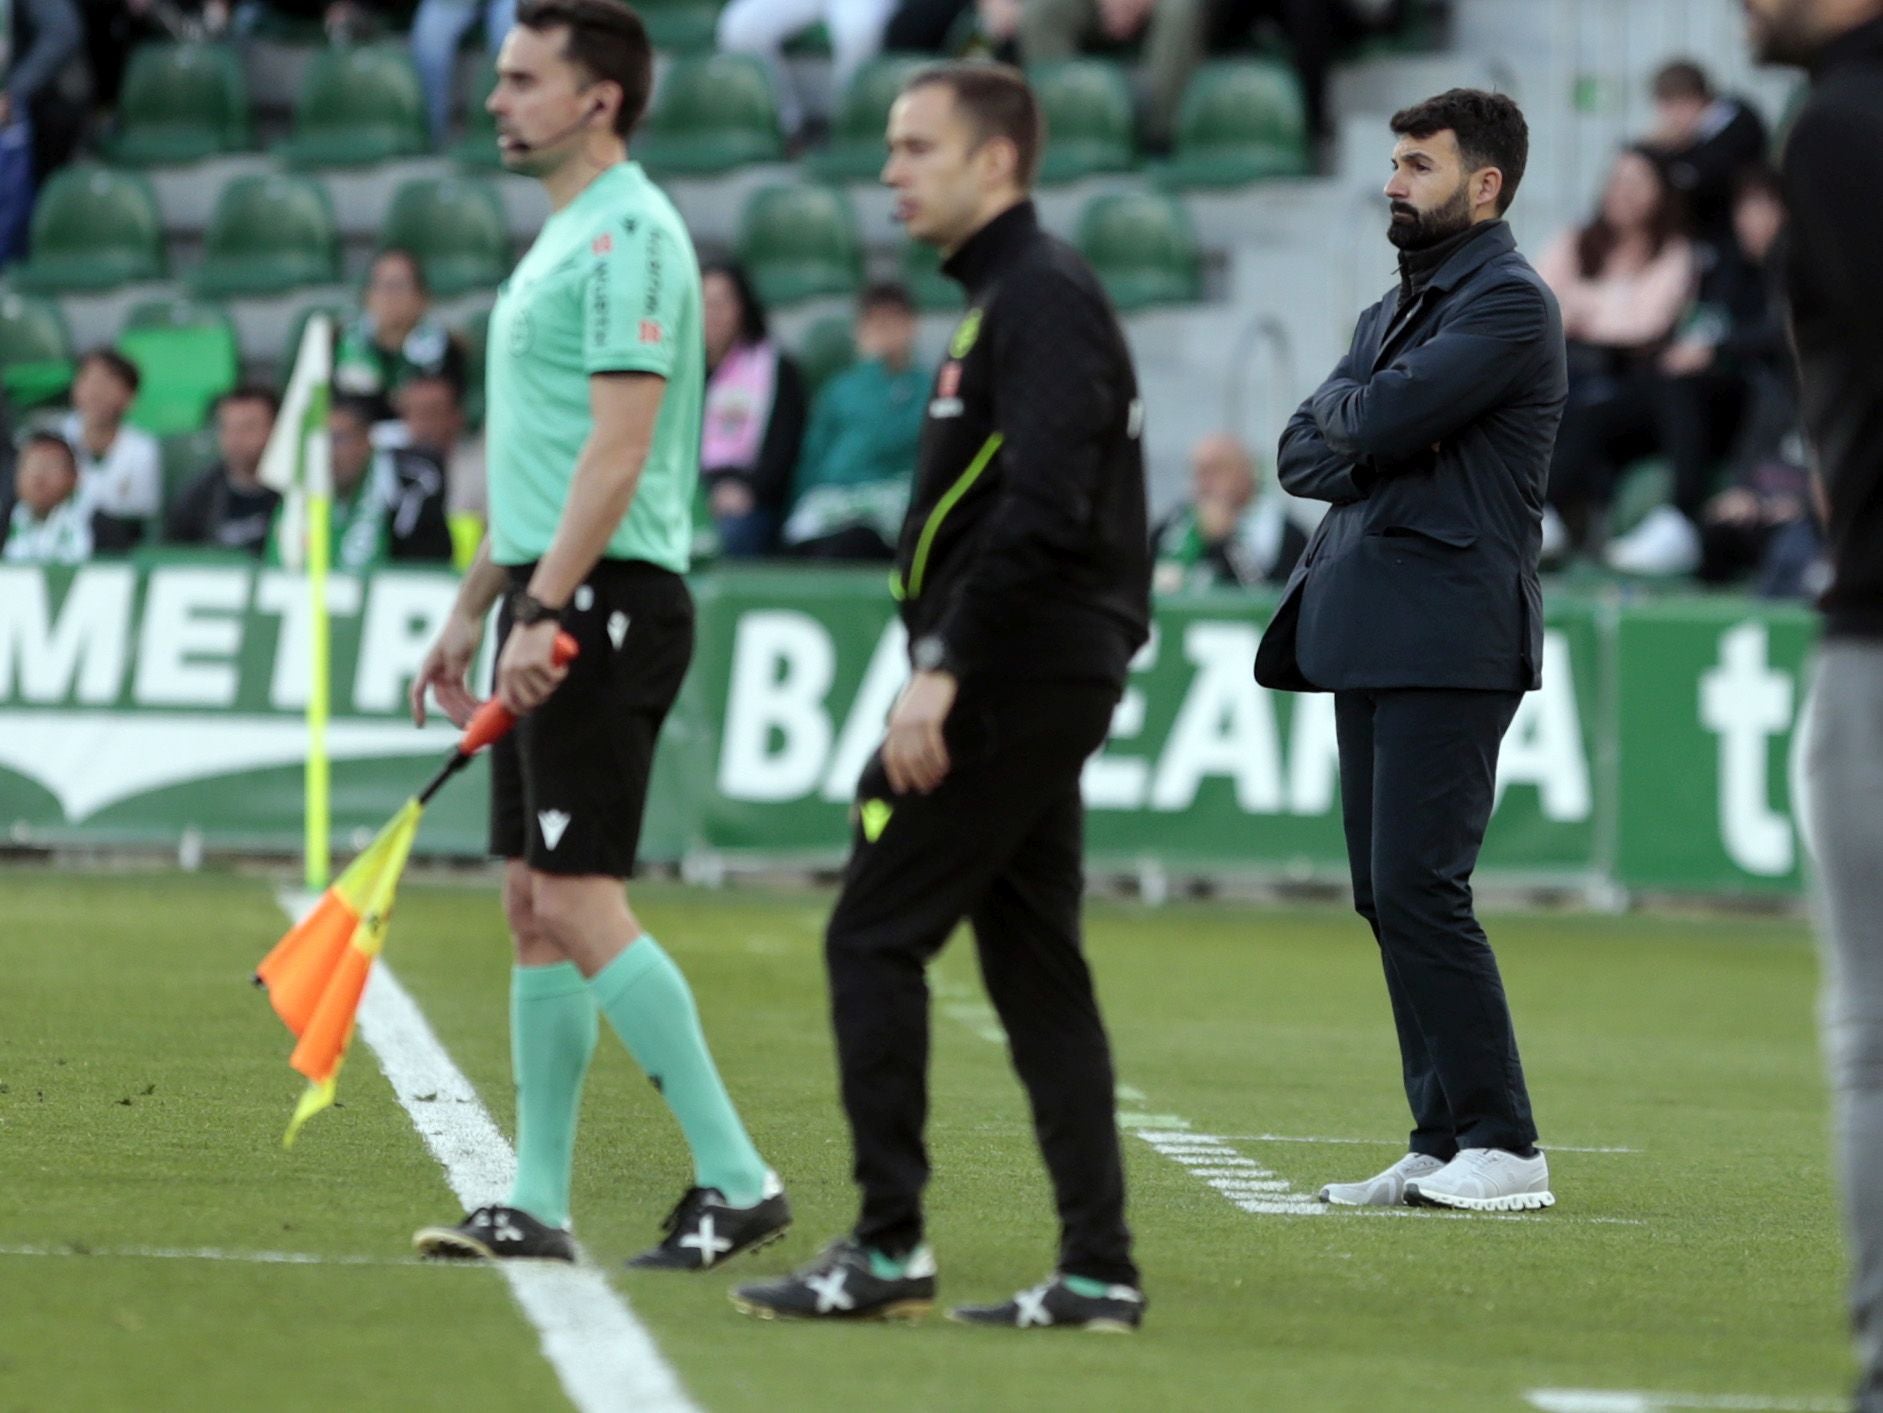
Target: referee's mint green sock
(552,1034)
(648,1002)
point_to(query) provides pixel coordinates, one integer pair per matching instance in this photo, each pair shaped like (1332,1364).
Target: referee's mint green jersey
(611,286)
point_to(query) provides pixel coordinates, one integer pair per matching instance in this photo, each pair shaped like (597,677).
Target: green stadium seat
(455,225)
(186,356)
(799,242)
(181,103)
(827,348)
(93,229)
(680,26)
(1643,486)
(712,113)
(1087,106)
(1143,249)
(35,350)
(477,149)
(1240,121)
(357,105)
(919,267)
(856,149)
(269,234)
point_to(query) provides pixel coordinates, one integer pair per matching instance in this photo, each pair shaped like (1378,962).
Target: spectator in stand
(437,29)
(120,468)
(48,523)
(431,421)
(1314,31)
(754,419)
(1228,536)
(37,40)
(395,336)
(852,485)
(925,26)
(1624,281)
(762,27)
(227,506)
(1726,385)
(1173,32)
(1704,140)
(388,505)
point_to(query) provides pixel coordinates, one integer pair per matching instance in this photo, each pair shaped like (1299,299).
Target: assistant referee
(595,385)
(1024,576)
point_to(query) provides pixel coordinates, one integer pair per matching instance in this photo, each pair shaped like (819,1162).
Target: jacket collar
(974,264)
(1862,45)
(1489,240)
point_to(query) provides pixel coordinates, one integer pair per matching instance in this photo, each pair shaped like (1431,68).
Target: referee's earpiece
(588,117)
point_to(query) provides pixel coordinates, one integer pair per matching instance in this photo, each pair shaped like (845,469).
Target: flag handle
(490,724)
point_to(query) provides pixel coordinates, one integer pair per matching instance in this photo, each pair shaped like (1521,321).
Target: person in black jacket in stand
(1834,286)
(1023,572)
(1418,606)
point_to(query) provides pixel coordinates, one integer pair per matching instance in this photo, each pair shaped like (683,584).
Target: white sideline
(1589,1400)
(1245,1182)
(604,1356)
(213,1253)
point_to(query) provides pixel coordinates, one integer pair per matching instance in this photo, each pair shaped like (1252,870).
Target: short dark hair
(438,376)
(363,410)
(50,439)
(114,363)
(1681,79)
(1489,127)
(607,41)
(251,392)
(1759,179)
(413,263)
(886,294)
(998,102)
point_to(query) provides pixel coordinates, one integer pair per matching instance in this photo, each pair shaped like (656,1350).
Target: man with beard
(1834,286)
(1417,605)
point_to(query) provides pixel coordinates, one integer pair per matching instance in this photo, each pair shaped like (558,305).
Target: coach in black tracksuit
(1023,571)
(1418,606)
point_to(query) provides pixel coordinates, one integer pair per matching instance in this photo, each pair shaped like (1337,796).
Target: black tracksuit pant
(1000,843)
(1418,772)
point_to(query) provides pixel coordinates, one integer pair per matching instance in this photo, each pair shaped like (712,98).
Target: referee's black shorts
(568,786)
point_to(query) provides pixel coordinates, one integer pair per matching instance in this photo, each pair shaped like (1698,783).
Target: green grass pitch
(144,1086)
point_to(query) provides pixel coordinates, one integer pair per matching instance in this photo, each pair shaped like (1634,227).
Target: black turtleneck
(982,254)
(1416,267)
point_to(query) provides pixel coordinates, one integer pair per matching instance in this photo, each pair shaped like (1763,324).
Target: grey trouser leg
(1843,815)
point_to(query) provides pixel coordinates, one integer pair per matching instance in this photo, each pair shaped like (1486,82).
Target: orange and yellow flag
(317,973)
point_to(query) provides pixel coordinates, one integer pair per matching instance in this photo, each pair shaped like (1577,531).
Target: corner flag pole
(319,486)
(296,464)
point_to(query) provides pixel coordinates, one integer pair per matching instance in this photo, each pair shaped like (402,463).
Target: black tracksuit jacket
(1834,275)
(1026,554)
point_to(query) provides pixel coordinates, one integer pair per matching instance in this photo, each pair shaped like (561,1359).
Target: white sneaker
(1387,1189)
(1663,544)
(1486,1180)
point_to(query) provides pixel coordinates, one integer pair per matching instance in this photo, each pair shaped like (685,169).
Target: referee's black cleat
(846,1282)
(703,1229)
(495,1234)
(1056,1305)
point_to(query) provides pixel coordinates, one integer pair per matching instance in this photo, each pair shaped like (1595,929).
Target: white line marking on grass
(604,1356)
(1383,1143)
(211,1253)
(1242,1180)
(1589,1400)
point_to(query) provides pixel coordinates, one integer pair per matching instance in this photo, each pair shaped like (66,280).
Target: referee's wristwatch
(930,654)
(526,610)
